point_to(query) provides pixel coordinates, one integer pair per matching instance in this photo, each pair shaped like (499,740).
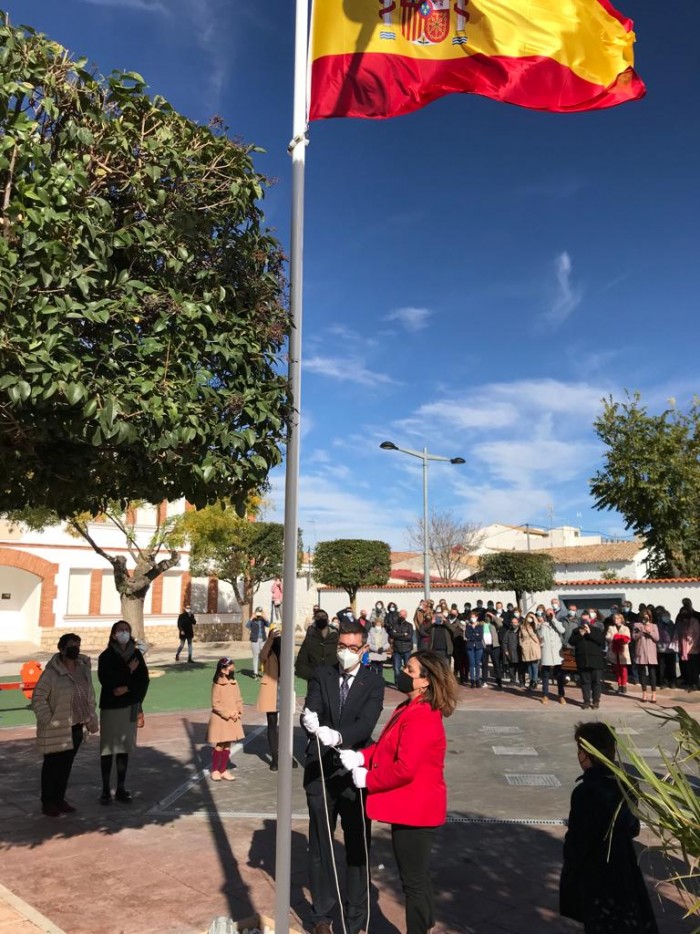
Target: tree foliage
(241,552)
(520,571)
(651,476)
(142,298)
(450,542)
(352,563)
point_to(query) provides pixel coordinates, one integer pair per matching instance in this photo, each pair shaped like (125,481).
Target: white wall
(19,615)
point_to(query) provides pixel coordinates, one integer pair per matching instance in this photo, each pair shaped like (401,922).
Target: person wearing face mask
(320,647)
(63,703)
(342,707)
(378,610)
(122,672)
(510,650)
(618,638)
(441,639)
(226,720)
(474,643)
(403,773)
(667,649)
(268,695)
(589,650)
(257,626)
(551,635)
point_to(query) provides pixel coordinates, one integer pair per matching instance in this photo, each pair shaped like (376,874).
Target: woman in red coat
(403,773)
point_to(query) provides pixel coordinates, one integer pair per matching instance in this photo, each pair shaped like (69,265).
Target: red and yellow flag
(383,58)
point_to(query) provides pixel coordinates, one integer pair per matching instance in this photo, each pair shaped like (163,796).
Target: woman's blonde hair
(442,690)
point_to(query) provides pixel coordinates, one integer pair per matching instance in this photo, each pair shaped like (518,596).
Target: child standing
(619,637)
(601,883)
(226,720)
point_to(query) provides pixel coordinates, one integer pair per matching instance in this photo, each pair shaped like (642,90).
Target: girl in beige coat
(530,648)
(226,720)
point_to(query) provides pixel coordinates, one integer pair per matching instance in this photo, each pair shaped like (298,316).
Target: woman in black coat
(588,643)
(601,883)
(123,674)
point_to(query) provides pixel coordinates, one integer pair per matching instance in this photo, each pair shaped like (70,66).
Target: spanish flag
(384,58)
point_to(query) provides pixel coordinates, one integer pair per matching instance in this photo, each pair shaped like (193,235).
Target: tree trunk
(132,612)
(519,599)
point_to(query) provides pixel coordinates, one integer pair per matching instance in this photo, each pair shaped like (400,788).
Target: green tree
(242,552)
(352,563)
(651,476)
(520,571)
(142,298)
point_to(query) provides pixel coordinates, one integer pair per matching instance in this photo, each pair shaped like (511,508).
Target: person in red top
(403,773)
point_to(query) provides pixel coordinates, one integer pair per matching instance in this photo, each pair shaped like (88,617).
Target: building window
(78,592)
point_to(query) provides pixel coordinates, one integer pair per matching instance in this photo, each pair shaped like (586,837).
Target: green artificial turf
(183,687)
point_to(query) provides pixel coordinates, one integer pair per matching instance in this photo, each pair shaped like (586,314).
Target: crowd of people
(538,652)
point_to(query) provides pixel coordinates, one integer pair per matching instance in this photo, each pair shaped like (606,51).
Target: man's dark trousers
(350,810)
(355,722)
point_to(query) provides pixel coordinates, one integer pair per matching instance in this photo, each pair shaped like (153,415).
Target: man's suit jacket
(355,723)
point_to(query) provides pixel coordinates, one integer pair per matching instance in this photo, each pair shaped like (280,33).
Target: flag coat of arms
(383,58)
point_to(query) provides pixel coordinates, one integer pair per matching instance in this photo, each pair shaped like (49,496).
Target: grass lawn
(181,687)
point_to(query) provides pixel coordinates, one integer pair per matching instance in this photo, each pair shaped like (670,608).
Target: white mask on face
(348,660)
(122,637)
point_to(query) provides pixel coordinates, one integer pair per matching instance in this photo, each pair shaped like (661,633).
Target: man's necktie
(344,689)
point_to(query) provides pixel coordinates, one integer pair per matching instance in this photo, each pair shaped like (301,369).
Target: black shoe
(121,794)
(595,706)
(106,797)
(585,706)
(274,767)
(66,808)
(51,810)
(295,764)
(190,661)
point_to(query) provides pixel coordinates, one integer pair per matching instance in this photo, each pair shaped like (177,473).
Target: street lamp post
(424,456)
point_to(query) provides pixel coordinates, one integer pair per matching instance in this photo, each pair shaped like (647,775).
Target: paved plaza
(187,850)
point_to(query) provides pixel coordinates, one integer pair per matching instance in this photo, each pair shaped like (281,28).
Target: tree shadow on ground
(236,891)
(505,877)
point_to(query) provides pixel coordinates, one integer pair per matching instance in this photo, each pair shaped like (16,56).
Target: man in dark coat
(320,647)
(185,627)
(601,884)
(588,643)
(342,707)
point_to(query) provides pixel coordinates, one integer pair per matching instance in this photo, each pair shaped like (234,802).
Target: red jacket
(405,781)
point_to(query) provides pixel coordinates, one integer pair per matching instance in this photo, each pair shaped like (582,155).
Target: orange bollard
(29,674)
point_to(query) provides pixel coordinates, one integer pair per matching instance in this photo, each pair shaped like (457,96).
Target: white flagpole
(297,148)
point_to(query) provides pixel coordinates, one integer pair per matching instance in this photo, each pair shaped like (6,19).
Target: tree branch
(74,524)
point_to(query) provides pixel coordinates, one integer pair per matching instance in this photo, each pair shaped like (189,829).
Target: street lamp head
(388,446)
(457,460)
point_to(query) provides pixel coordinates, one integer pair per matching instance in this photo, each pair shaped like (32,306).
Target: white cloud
(346,369)
(149,6)
(413,319)
(567,297)
(328,509)
(516,462)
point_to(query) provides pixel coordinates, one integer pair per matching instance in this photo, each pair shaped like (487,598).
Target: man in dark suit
(342,708)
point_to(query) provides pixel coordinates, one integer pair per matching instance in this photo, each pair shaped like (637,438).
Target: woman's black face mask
(72,652)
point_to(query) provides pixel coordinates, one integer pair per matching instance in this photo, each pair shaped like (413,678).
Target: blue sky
(477,277)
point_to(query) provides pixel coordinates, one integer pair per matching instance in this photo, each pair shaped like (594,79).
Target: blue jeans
(531,668)
(474,655)
(399,659)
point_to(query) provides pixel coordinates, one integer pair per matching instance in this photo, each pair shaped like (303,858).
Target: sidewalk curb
(28,913)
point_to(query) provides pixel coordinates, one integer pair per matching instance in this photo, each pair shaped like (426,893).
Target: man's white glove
(351,759)
(328,736)
(359,778)
(309,720)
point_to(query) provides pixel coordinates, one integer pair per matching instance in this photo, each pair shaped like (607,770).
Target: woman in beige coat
(530,648)
(268,696)
(64,705)
(226,720)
